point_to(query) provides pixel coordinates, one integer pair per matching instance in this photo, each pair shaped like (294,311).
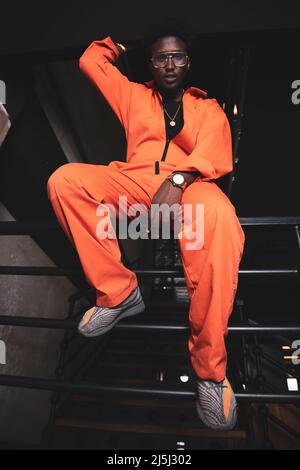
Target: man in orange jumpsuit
(179,142)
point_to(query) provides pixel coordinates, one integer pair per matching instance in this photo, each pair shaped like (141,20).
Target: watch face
(178,179)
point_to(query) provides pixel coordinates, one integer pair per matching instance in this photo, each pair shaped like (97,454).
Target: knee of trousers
(216,206)
(228,229)
(58,178)
(222,217)
(218,220)
(64,176)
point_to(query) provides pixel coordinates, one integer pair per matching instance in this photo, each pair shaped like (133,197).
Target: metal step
(179,432)
(75,436)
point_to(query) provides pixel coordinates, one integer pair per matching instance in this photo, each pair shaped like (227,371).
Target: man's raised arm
(97,63)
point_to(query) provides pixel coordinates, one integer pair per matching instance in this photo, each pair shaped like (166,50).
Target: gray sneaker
(99,320)
(216,405)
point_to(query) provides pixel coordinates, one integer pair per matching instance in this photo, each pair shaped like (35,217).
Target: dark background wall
(267,178)
(32,26)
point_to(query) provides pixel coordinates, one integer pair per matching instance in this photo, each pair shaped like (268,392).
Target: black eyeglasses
(180,59)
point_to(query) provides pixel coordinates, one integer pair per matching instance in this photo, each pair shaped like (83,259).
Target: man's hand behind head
(129,44)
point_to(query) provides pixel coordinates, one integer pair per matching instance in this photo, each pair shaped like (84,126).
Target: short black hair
(168,26)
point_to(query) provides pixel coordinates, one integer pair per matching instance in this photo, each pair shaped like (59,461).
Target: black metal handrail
(28,227)
(84,387)
(49,271)
(58,324)
(269,221)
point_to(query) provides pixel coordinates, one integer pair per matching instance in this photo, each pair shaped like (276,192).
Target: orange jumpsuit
(204,144)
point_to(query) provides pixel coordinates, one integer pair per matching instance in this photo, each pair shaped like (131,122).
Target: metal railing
(30,228)
(82,387)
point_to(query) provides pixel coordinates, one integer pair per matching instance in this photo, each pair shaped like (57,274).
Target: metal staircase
(134,388)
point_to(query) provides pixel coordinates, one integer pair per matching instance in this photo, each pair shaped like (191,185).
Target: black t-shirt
(171,131)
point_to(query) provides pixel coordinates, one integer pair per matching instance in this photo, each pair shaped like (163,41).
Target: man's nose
(170,63)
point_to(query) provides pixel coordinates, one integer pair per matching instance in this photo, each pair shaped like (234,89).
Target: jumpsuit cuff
(115,298)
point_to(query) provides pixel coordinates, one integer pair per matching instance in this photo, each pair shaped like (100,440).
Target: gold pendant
(173,123)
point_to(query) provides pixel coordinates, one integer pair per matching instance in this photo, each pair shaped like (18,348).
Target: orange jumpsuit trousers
(77,190)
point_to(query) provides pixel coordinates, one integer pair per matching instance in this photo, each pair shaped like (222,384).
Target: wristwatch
(178,181)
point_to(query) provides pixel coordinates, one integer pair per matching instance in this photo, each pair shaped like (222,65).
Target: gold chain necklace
(172,120)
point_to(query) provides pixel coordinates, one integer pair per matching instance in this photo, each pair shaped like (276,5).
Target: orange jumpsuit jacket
(204,144)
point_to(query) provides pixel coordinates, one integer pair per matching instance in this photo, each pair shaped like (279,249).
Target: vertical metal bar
(247,380)
(298,236)
(297,232)
(241,106)
(173,265)
(228,98)
(259,379)
(264,413)
(55,399)
(245,347)
(155,242)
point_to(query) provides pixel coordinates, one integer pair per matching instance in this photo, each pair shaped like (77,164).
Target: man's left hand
(168,195)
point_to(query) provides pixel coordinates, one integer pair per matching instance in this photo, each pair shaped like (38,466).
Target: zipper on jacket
(166,150)
(157,169)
